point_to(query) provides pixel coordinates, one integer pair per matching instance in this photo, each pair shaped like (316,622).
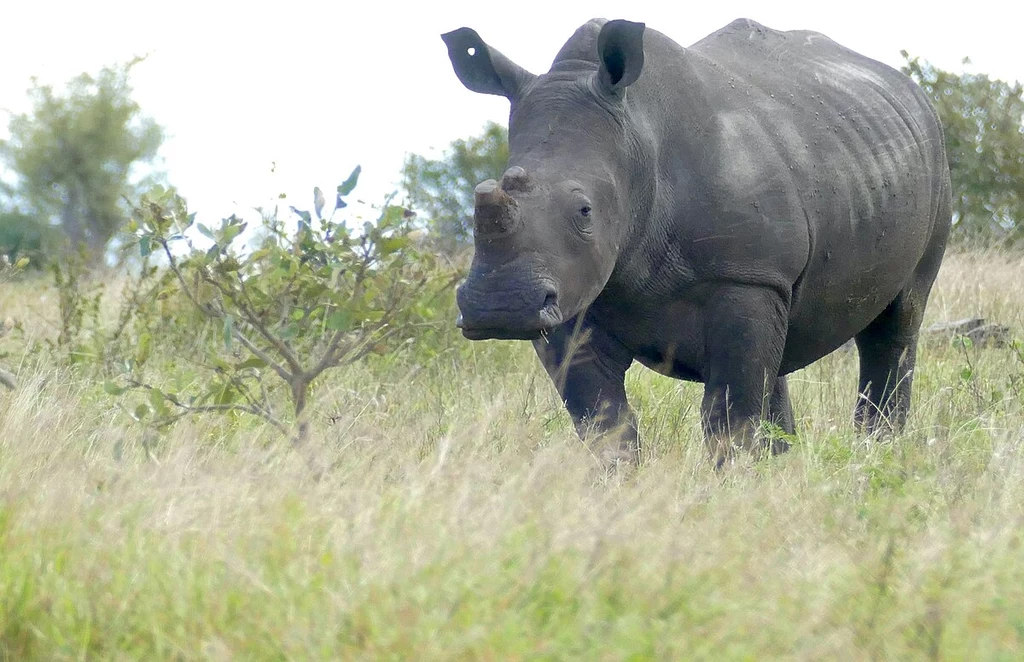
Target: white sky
(318,87)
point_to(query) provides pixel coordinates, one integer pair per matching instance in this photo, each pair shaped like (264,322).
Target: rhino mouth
(501,334)
(529,327)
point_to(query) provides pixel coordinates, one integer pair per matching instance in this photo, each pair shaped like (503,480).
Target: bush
(288,308)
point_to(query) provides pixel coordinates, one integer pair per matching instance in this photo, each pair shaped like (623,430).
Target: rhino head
(547,235)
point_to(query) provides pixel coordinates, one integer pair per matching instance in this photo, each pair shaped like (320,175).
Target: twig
(198,409)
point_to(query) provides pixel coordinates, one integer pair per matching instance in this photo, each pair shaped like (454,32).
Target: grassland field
(458,517)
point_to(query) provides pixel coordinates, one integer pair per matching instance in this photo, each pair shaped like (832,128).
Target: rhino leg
(744,337)
(588,368)
(888,346)
(780,412)
(888,350)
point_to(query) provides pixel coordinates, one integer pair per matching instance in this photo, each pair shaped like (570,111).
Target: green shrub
(288,307)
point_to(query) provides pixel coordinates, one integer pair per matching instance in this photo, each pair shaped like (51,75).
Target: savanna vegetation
(441,507)
(272,443)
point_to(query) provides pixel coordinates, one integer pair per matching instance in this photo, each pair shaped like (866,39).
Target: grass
(460,519)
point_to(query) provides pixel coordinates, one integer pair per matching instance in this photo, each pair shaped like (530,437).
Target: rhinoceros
(725,213)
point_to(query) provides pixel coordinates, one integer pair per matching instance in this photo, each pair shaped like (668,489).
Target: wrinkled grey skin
(725,213)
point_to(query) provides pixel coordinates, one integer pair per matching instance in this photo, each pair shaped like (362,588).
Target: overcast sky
(318,87)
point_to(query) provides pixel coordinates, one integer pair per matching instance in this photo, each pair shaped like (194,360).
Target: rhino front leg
(588,368)
(745,334)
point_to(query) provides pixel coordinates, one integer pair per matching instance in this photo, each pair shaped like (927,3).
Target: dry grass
(459,518)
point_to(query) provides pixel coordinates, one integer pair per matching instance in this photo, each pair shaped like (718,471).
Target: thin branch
(168,420)
(184,284)
(327,360)
(263,356)
(279,345)
(197,409)
(210,310)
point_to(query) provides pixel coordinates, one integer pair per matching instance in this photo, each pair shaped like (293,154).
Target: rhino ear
(620,49)
(483,69)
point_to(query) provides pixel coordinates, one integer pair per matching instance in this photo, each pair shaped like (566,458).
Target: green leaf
(254,362)
(21,263)
(389,245)
(232,231)
(141,412)
(966,374)
(350,184)
(144,247)
(145,346)
(205,231)
(339,320)
(157,400)
(226,395)
(219,363)
(392,216)
(229,329)
(111,388)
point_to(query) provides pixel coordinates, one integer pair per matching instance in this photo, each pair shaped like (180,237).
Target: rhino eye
(585,211)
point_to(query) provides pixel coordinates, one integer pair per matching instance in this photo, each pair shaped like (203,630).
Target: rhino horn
(488,194)
(493,213)
(515,179)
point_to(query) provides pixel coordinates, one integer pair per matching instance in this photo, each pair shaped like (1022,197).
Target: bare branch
(263,356)
(279,345)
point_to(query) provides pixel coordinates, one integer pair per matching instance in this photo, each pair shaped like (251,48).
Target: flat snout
(509,292)
(493,310)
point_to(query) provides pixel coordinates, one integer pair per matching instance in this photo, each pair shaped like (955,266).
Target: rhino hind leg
(888,351)
(888,346)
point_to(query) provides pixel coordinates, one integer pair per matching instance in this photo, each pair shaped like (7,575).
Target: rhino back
(788,161)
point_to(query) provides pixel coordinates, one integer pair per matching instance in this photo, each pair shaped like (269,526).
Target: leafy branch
(294,305)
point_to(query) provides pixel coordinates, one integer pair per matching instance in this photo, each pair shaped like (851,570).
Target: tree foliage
(290,307)
(77,155)
(24,236)
(983,121)
(442,189)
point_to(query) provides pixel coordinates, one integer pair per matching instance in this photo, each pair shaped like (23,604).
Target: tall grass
(458,517)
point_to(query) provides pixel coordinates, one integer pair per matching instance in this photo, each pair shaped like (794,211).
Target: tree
(77,155)
(23,236)
(291,307)
(983,121)
(443,188)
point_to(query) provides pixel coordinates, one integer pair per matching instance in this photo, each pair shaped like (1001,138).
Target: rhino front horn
(488,193)
(493,213)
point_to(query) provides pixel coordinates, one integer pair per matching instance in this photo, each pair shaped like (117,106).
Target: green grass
(459,518)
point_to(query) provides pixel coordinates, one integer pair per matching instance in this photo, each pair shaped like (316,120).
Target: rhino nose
(520,313)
